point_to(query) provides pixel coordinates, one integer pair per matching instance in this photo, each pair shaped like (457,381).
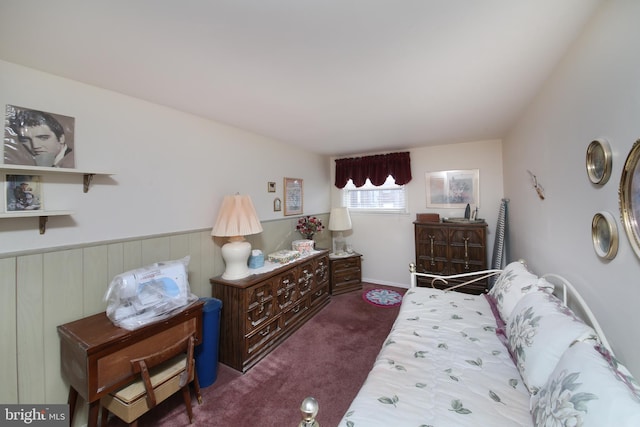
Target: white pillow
(514,282)
(540,330)
(588,388)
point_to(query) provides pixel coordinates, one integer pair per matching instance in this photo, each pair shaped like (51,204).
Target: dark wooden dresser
(262,310)
(451,248)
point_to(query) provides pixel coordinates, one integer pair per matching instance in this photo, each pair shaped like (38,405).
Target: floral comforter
(442,365)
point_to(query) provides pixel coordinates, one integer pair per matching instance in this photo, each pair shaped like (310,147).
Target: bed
(515,356)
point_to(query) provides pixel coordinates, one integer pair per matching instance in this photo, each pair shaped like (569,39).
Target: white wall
(171,169)
(595,93)
(387,241)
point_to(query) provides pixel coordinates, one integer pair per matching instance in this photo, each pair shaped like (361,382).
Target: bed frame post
(412,269)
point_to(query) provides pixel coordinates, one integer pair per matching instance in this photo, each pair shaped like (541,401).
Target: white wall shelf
(44,215)
(87,175)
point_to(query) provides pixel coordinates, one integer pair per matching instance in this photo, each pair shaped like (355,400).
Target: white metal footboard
(474,276)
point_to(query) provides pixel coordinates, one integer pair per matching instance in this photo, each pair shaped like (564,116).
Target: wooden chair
(161,375)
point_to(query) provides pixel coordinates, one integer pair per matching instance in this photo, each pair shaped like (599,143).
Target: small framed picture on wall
(293,196)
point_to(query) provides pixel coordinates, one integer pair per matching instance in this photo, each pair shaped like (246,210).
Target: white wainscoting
(42,290)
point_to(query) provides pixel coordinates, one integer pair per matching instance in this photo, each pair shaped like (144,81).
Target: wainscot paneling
(43,290)
(47,288)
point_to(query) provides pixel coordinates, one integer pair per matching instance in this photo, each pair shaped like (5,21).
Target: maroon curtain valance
(377,168)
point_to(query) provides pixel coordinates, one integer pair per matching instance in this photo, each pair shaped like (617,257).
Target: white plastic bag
(148,294)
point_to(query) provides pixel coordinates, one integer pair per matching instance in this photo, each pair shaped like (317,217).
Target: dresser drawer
(287,295)
(306,275)
(260,306)
(258,314)
(297,312)
(322,269)
(320,294)
(261,338)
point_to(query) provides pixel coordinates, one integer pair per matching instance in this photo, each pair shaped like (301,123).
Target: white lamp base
(339,244)
(236,255)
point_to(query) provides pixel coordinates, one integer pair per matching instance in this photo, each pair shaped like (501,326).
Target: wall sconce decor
(536,185)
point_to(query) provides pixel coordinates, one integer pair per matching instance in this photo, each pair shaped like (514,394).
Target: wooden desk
(95,354)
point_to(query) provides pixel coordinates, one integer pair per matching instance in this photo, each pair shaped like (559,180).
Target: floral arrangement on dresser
(309,225)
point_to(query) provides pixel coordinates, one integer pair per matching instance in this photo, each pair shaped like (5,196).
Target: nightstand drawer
(347,263)
(347,276)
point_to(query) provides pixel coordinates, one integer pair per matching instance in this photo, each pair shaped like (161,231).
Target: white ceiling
(334,76)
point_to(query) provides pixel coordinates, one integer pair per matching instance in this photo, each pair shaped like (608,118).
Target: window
(386,198)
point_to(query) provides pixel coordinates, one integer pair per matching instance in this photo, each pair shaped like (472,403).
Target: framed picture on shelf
(24,193)
(453,189)
(293,196)
(38,138)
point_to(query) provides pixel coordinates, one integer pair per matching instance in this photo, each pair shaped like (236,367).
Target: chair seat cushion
(129,402)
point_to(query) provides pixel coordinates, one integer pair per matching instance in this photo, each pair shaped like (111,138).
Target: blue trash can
(206,353)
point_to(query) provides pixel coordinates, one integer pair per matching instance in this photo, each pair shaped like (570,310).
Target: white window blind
(386,198)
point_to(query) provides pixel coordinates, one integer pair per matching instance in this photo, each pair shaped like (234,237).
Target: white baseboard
(382,282)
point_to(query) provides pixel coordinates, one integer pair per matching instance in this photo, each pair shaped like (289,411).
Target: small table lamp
(237,218)
(339,220)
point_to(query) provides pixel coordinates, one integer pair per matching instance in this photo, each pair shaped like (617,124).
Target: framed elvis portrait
(293,196)
(38,138)
(453,189)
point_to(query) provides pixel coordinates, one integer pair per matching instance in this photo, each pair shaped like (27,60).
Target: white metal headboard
(564,290)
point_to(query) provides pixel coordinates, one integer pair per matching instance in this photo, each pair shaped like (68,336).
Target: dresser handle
(432,252)
(466,253)
(266,331)
(297,309)
(319,293)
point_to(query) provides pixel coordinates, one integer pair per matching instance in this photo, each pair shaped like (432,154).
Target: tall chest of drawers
(451,248)
(262,310)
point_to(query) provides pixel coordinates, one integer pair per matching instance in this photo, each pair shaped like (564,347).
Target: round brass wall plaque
(599,161)
(604,233)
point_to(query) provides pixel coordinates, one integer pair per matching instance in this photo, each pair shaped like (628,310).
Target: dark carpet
(328,358)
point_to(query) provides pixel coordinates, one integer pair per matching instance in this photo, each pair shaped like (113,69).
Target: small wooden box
(428,217)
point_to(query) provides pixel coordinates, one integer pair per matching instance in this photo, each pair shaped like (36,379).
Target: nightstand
(346,273)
